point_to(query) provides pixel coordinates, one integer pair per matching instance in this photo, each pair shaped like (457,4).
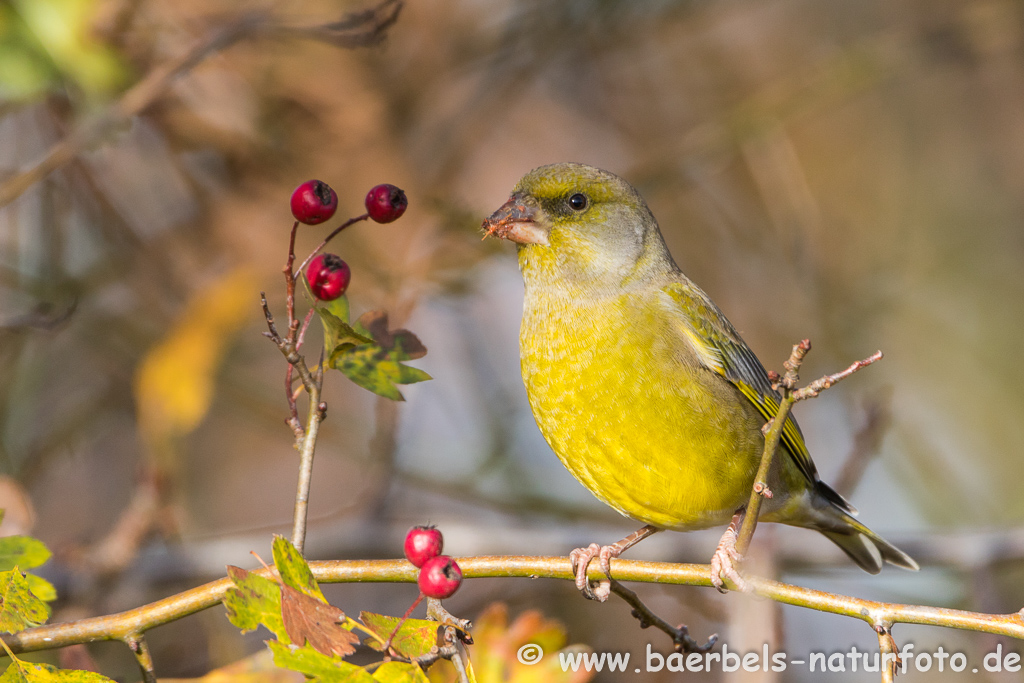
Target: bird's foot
(726,560)
(582,557)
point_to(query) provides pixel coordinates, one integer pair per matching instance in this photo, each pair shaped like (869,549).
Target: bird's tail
(864,546)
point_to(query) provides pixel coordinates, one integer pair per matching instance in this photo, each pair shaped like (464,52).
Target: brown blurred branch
(358,29)
(866,442)
(878,614)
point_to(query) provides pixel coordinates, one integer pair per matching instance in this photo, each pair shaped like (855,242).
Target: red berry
(328,276)
(423,543)
(440,577)
(386,203)
(314,202)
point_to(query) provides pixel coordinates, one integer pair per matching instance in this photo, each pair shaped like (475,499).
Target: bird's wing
(720,349)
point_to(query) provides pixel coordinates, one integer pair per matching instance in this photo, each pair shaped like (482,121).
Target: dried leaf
(308,619)
(403,344)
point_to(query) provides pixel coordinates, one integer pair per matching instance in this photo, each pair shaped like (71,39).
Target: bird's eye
(578,201)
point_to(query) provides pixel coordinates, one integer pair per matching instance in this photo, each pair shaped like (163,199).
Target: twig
(334,233)
(680,635)
(356,30)
(136,642)
(141,619)
(771,443)
(888,653)
(790,395)
(437,612)
(819,385)
(314,417)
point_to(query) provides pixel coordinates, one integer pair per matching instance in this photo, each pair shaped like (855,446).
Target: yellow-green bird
(643,389)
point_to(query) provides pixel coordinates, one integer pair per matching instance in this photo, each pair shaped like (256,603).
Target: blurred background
(848,172)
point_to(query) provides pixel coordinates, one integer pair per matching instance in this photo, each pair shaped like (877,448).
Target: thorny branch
(358,29)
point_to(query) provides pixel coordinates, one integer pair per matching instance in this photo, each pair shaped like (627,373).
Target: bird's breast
(623,403)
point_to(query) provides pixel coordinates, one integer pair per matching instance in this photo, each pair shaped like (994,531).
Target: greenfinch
(641,386)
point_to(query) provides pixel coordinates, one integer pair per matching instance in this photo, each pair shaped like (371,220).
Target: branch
(877,614)
(355,30)
(786,385)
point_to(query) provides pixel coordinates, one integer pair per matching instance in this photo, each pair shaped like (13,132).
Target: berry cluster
(314,202)
(440,575)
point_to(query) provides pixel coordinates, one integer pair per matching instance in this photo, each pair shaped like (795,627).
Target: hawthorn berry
(440,577)
(314,202)
(328,276)
(386,203)
(423,543)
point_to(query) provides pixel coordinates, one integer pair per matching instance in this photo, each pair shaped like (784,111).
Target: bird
(641,386)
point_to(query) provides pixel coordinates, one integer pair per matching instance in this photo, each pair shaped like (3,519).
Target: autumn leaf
(319,667)
(414,639)
(254,600)
(29,672)
(256,668)
(19,607)
(400,672)
(307,619)
(174,385)
(294,570)
(377,365)
(26,552)
(497,642)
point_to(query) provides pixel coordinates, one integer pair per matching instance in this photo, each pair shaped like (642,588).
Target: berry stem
(414,605)
(302,266)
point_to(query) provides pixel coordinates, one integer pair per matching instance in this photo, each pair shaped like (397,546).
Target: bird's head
(578,225)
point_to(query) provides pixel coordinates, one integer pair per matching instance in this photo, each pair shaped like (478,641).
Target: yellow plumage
(638,382)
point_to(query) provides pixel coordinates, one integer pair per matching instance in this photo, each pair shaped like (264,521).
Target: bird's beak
(517,221)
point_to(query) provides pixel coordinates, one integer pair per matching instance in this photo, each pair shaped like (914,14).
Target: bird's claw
(724,564)
(581,559)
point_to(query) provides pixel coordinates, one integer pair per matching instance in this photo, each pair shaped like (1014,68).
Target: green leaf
(377,366)
(253,601)
(22,551)
(339,308)
(415,638)
(400,672)
(29,672)
(19,608)
(294,570)
(41,588)
(318,667)
(338,334)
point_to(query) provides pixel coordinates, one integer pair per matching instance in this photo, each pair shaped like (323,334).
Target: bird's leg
(582,557)
(726,557)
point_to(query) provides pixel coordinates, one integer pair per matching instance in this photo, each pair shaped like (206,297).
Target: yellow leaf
(174,384)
